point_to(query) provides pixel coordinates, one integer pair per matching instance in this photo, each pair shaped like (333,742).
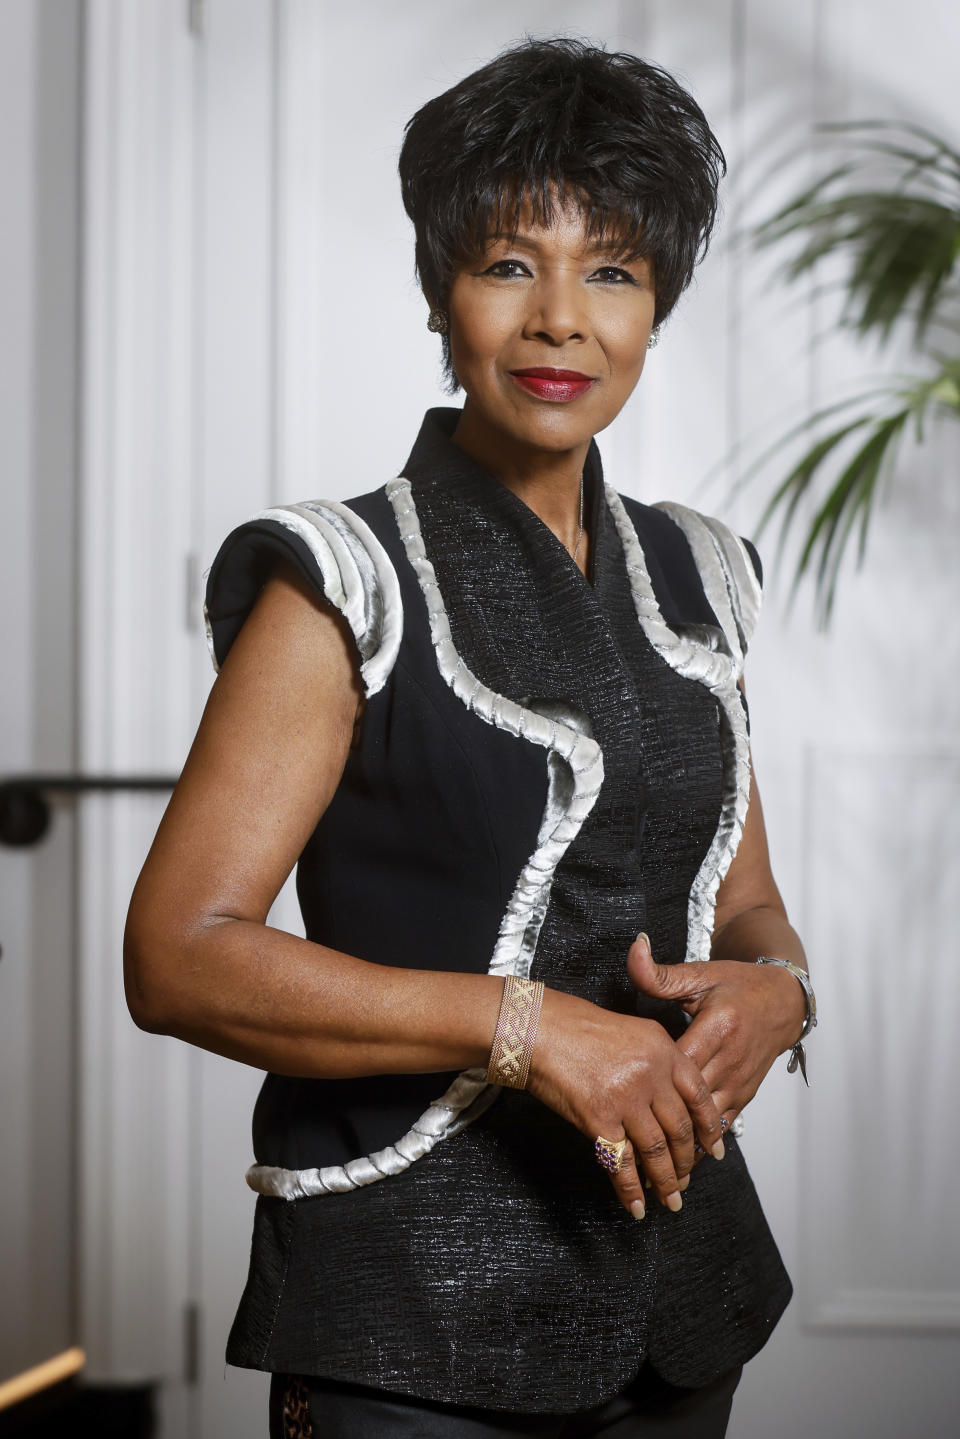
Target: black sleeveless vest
(547,765)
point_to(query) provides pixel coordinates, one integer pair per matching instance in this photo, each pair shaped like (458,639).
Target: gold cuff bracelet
(517,1021)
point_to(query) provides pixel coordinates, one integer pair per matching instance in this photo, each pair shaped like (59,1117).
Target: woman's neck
(548,482)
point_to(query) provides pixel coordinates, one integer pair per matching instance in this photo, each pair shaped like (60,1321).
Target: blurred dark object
(25,806)
(73,1408)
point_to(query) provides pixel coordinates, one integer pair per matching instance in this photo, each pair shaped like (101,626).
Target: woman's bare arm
(744,1014)
(200,962)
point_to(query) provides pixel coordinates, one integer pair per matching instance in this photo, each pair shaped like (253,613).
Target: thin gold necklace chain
(580,535)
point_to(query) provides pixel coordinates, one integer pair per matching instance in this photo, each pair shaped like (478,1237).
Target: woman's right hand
(618,1075)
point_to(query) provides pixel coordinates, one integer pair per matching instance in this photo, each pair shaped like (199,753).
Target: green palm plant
(902,239)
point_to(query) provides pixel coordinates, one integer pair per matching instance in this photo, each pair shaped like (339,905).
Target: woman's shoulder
(701,570)
(332,545)
(679,531)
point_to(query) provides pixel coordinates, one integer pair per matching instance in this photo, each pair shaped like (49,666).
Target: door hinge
(195,17)
(191,1343)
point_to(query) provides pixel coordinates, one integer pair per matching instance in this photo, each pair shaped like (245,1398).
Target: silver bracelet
(798,1055)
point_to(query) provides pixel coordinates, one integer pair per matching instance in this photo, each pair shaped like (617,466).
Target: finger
(728,1111)
(674,1119)
(686,984)
(734,1083)
(702,1040)
(718,1078)
(697,1093)
(654,1159)
(627,1182)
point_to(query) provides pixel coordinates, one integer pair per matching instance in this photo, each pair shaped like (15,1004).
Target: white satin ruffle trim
(715,659)
(574,778)
(356,576)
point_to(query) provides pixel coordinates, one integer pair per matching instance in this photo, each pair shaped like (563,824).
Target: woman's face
(548,334)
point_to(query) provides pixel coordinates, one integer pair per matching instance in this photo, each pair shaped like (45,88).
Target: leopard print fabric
(297,1423)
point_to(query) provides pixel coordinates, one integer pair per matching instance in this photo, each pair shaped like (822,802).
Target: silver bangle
(798,1055)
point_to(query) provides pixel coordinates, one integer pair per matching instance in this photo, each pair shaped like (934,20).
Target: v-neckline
(435,455)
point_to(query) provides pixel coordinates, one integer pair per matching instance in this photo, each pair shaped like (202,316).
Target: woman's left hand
(744,1016)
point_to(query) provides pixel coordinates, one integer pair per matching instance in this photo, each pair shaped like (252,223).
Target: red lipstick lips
(550,384)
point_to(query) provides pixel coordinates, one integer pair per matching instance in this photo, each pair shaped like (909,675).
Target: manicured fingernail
(637,1209)
(718,1150)
(645,938)
(682,1183)
(673,1201)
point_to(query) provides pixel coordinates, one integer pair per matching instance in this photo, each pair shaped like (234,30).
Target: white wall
(238,280)
(39,288)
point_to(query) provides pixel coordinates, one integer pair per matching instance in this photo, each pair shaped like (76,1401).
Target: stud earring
(437,323)
(654,338)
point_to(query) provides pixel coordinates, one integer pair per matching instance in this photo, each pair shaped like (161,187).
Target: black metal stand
(25,804)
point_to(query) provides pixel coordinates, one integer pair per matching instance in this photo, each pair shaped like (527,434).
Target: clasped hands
(623,1076)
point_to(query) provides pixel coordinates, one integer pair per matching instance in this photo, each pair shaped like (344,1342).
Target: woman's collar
(435,459)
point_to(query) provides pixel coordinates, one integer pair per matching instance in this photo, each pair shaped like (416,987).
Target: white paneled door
(39,77)
(253,335)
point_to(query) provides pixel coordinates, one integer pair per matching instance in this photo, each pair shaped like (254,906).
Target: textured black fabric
(500,1270)
(648,1408)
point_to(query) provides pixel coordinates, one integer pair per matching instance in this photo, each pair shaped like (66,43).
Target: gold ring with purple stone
(609,1153)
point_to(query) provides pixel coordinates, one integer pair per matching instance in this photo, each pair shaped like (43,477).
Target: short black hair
(550,119)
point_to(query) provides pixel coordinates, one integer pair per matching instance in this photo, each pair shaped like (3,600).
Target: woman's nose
(557,313)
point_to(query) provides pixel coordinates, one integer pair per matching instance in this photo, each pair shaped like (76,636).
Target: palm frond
(884,390)
(852,496)
(850,499)
(901,238)
(943,152)
(902,248)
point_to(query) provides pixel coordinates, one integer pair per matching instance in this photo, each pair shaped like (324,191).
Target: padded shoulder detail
(729,571)
(755,560)
(336,552)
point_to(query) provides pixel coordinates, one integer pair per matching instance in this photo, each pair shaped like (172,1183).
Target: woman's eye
(507,268)
(613,274)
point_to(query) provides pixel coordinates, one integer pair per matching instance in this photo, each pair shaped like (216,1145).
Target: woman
(491,709)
